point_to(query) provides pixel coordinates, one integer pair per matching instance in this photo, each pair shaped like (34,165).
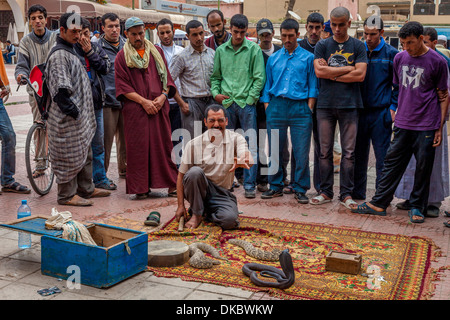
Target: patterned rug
(403,262)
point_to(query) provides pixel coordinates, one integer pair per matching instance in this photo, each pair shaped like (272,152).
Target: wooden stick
(181,224)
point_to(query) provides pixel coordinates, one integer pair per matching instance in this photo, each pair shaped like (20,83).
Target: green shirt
(238,74)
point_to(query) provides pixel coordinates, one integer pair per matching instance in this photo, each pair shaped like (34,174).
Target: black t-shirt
(304,43)
(333,94)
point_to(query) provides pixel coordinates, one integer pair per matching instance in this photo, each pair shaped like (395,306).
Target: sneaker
(250,193)
(269,194)
(262,187)
(301,198)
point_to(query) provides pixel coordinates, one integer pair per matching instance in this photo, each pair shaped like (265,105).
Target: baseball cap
(133,22)
(264,25)
(328,27)
(96,32)
(442,37)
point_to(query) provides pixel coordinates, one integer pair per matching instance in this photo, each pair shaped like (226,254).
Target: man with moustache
(71,118)
(216,24)
(144,85)
(112,42)
(289,96)
(206,173)
(193,67)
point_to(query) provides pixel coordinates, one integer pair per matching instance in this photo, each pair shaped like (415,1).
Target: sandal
(173,194)
(38,173)
(348,203)
(110,185)
(140,196)
(320,199)
(416,213)
(447,224)
(365,209)
(288,190)
(447,214)
(153,219)
(16,188)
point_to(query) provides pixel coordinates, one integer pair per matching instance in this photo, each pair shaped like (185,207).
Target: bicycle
(37,160)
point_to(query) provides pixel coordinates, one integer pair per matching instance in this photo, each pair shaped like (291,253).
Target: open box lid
(34,224)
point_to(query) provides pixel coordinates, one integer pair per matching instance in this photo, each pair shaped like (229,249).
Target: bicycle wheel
(37,159)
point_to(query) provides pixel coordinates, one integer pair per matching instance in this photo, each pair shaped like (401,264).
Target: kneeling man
(206,172)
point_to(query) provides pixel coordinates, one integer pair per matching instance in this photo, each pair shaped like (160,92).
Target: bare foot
(194,221)
(373,207)
(314,200)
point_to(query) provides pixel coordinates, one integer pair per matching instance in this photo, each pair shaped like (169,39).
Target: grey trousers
(82,184)
(113,128)
(197,107)
(214,203)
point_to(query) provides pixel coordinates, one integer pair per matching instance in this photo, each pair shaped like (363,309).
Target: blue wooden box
(120,253)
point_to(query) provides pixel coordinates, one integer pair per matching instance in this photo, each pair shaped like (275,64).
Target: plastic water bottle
(24,238)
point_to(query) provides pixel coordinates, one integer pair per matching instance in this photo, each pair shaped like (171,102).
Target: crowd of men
(195,120)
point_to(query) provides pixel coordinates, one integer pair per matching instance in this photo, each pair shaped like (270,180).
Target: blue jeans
(295,114)
(375,124)
(7,57)
(98,151)
(246,117)
(8,138)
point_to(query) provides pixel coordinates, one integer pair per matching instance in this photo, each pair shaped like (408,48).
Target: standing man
(327,31)
(422,75)
(379,96)
(97,63)
(236,83)
(193,67)
(71,118)
(33,50)
(289,97)
(144,84)
(340,63)
(207,172)
(216,24)
(170,49)
(439,180)
(95,36)
(442,45)
(314,29)
(8,137)
(112,42)
(265,31)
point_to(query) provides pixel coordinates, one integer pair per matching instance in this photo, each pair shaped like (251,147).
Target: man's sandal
(153,219)
(416,213)
(16,187)
(365,209)
(320,199)
(349,203)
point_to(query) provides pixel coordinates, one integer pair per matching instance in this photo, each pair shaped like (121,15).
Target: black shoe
(269,194)
(250,193)
(405,205)
(301,198)
(262,187)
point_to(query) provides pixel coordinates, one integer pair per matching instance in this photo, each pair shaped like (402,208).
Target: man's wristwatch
(167,96)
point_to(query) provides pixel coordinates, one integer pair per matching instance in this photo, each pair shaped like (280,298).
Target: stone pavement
(20,275)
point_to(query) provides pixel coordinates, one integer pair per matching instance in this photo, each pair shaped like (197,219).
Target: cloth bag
(72,230)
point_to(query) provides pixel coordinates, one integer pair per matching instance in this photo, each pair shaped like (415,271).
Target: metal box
(120,253)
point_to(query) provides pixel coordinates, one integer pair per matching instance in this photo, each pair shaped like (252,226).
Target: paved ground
(20,275)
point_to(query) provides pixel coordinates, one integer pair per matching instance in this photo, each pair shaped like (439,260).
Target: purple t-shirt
(418,79)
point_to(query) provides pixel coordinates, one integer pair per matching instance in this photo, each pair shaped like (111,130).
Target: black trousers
(405,144)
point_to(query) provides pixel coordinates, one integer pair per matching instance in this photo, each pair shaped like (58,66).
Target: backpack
(38,83)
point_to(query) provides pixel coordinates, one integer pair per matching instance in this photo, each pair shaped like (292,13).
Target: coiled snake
(285,278)
(198,258)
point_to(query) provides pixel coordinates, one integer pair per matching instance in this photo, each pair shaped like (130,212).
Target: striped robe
(69,139)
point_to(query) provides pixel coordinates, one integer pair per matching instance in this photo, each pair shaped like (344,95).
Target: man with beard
(193,67)
(143,85)
(206,173)
(216,23)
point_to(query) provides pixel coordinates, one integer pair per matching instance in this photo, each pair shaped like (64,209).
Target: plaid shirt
(194,71)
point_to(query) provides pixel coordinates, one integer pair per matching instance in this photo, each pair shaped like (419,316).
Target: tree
(290,7)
